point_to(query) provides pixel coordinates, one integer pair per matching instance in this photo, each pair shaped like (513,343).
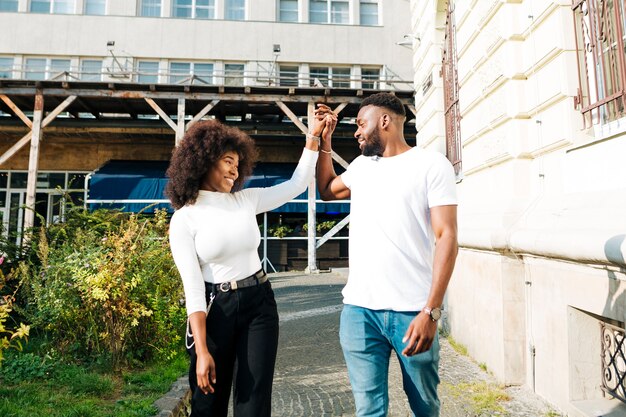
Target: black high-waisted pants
(242,337)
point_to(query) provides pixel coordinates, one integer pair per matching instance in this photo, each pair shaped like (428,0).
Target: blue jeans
(367,338)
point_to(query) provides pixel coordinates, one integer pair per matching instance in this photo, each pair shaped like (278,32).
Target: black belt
(255,279)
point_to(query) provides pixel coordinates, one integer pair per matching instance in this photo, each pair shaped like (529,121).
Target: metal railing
(599,29)
(613,361)
(387,80)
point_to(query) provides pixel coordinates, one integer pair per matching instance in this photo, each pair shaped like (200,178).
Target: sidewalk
(311,377)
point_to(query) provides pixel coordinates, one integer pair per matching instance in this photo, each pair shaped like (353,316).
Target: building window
(233,74)
(368,12)
(194,9)
(450,74)
(53,6)
(182,72)
(46,69)
(370,78)
(95,7)
(330,77)
(600,32)
(329,11)
(148,72)
(91,70)
(8,5)
(150,8)
(288,76)
(6,67)
(235,10)
(288,11)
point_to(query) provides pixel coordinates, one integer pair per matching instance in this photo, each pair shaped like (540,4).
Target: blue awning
(143,183)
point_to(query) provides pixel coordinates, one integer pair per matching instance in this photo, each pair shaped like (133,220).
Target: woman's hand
(205,372)
(319,123)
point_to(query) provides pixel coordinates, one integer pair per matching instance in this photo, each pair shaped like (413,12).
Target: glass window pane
(91,70)
(40,6)
(369,14)
(341,78)
(35,69)
(150,8)
(288,11)
(179,71)
(288,76)
(370,74)
(319,74)
(183,8)
(64,6)
(57,67)
(6,66)
(50,180)
(205,9)
(4,179)
(76,181)
(339,12)
(19,179)
(3,199)
(204,73)
(233,74)
(235,10)
(318,11)
(148,72)
(8,5)
(95,7)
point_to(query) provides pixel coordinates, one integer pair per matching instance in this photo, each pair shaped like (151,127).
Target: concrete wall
(541,216)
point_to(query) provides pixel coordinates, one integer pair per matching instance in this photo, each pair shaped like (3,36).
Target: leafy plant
(103,286)
(10,337)
(279,230)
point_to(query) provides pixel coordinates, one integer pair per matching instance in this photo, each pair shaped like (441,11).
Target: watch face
(435,313)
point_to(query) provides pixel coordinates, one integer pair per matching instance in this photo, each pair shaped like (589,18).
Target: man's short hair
(386,100)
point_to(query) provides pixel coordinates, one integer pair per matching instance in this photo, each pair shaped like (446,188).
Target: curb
(176,402)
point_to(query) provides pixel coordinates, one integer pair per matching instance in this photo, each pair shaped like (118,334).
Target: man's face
(368,131)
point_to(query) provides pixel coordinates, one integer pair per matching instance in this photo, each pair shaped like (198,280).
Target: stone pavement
(311,377)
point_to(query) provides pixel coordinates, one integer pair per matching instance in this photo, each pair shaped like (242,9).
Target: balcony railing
(613,361)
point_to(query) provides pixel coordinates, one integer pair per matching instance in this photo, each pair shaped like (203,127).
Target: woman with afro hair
(214,238)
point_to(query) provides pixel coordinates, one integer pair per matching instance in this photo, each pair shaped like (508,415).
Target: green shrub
(103,286)
(10,337)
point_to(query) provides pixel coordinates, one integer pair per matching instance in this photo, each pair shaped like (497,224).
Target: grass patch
(458,347)
(483,366)
(66,390)
(486,399)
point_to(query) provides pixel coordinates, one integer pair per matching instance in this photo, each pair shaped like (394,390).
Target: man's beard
(373,146)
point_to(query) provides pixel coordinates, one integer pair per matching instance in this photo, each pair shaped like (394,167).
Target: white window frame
(8,68)
(158,72)
(194,10)
(245,11)
(140,8)
(329,12)
(47,70)
(378,4)
(90,76)
(104,11)
(53,4)
(279,11)
(192,71)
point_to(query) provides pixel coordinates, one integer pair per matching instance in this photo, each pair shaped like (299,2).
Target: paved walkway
(311,378)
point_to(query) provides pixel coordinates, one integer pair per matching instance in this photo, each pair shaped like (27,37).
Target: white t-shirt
(216,238)
(391,238)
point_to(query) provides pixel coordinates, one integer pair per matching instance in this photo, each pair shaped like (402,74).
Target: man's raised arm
(329,185)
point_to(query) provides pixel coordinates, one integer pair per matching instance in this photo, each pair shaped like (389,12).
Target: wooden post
(180,131)
(312,250)
(33,163)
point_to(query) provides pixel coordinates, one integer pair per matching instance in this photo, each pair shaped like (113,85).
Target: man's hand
(205,372)
(420,335)
(324,122)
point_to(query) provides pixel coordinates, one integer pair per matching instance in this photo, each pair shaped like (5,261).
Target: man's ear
(385,121)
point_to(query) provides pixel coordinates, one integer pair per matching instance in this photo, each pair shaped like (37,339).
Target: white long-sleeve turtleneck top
(216,238)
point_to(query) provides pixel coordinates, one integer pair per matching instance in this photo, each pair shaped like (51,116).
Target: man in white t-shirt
(403,200)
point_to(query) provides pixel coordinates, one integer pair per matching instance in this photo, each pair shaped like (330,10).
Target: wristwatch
(434,313)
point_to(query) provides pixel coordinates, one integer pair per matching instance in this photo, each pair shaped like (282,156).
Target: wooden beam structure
(33,163)
(311,212)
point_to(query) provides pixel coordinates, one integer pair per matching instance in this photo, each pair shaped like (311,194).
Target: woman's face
(222,176)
